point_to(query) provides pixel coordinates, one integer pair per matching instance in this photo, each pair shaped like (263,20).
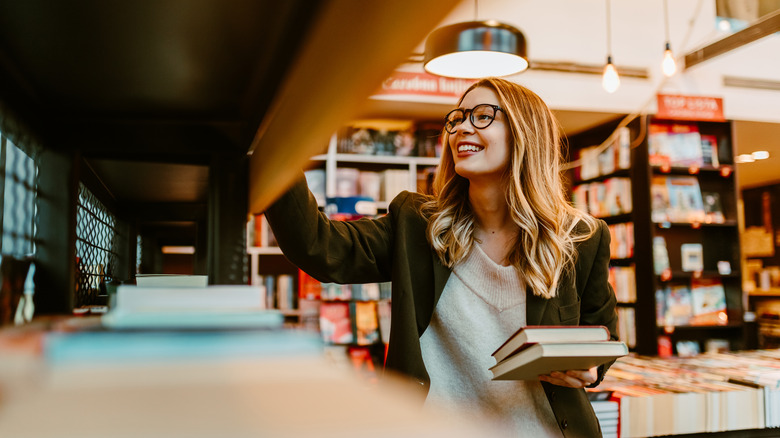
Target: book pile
(607,413)
(711,392)
(206,308)
(537,350)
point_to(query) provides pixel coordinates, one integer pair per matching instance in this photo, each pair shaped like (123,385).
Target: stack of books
(536,350)
(188,307)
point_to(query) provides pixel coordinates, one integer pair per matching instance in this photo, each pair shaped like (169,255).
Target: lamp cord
(666,19)
(476,10)
(609,32)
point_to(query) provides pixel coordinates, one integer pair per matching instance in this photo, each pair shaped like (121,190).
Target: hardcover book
(549,334)
(543,358)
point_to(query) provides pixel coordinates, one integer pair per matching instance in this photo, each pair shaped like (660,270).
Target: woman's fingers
(571,378)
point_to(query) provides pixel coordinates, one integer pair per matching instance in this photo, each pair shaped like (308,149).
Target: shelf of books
(667,191)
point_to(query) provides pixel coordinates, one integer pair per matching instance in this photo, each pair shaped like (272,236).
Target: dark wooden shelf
(705,170)
(726,224)
(625,173)
(685,275)
(689,328)
(617,219)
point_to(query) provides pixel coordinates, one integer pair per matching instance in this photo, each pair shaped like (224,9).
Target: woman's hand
(571,378)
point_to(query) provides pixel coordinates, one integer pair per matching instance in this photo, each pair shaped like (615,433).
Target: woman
(497,248)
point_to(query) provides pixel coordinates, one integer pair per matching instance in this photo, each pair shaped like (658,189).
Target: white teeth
(469,148)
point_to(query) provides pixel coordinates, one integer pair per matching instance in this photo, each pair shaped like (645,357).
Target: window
(95,252)
(19,189)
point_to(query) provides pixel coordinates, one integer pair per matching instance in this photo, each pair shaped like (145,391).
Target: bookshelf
(685,257)
(353,318)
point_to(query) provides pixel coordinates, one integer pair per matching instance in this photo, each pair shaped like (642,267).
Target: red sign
(423,84)
(699,108)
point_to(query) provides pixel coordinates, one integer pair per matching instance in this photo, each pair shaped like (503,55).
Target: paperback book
(536,350)
(541,333)
(535,359)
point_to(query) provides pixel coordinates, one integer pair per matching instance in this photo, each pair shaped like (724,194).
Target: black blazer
(394,248)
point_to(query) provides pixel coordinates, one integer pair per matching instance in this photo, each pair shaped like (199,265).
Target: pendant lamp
(610,79)
(475,49)
(668,65)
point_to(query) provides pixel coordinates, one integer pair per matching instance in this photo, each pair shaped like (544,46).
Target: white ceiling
(574,31)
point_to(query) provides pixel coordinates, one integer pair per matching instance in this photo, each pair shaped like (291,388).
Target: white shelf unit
(332,161)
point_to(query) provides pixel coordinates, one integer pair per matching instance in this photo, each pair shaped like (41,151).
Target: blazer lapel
(440,276)
(535,307)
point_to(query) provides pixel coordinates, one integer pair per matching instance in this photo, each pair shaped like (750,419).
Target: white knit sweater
(482,304)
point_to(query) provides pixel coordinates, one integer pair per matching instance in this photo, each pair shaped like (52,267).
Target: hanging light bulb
(668,65)
(611,80)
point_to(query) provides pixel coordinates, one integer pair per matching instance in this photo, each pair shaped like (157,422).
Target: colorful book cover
(660,255)
(708,298)
(659,193)
(658,144)
(709,150)
(713,210)
(684,142)
(365,322)
(679,309)
(308,287)
(692,257)
(685,201)
(335,323)
(660,306)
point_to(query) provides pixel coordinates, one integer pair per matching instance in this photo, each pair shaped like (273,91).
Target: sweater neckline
(499,286)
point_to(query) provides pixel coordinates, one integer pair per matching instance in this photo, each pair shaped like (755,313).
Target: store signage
(700,108)
(423,84)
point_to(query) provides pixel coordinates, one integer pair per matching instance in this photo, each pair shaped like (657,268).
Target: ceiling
(150,91)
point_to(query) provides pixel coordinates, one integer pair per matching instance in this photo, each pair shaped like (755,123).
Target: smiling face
(481,154)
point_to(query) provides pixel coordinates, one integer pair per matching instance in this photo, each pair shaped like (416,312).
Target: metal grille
(19,190)
(95,252)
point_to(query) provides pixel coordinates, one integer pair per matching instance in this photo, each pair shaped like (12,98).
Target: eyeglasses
(481,116)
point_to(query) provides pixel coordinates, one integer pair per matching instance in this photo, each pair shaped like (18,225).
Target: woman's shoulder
(590,230)
(409,200)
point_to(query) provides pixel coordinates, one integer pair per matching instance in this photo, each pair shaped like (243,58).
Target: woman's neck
(495,231)
(488,203)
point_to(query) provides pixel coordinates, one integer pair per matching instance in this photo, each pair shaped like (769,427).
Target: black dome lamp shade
(475,49)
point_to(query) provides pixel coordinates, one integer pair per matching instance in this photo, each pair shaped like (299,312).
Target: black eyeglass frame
(470,113)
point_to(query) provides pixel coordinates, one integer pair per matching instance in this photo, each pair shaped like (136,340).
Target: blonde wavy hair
(545,246)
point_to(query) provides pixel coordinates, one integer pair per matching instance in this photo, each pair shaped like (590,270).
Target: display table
(51,386)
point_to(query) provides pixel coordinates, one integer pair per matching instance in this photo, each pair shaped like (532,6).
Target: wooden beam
(351,48)
(767,25)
